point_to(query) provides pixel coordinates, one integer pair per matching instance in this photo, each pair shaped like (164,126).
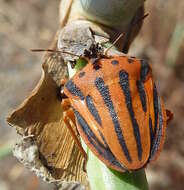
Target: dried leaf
(41,115)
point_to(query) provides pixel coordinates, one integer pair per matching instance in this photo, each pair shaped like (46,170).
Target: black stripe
(158,134)
(74,90)
(107,146)
(104,141)
(81,74)
(155,102)
(104,151)
(151,132)
(124,83)
(93,110)
(104,91)
(142,94)
(115,62)
(145,68)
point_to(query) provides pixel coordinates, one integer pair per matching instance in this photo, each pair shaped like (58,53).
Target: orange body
(119,113)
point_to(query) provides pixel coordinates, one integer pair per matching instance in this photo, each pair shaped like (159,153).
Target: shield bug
(114,104)
(117,110)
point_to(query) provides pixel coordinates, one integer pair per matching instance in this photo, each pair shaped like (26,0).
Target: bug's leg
(117,39)
(62,94)
(63,81)
(70,115)
(65,104)
(169,115)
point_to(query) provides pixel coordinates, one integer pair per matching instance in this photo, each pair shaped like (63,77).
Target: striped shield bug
(117,110)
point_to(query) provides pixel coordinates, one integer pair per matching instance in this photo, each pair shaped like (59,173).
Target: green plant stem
(103,178)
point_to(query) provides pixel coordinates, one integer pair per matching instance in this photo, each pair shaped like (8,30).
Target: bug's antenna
(54,51)
(122,34)
(117,39)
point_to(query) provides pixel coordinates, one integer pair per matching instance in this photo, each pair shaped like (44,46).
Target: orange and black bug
(118,111)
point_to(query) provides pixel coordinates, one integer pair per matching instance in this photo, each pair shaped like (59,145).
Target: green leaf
(80,64)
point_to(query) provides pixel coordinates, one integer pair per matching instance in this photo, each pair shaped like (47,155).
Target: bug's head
(95,50)
(94,53)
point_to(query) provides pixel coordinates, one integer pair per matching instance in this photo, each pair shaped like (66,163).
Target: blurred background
(32,24)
